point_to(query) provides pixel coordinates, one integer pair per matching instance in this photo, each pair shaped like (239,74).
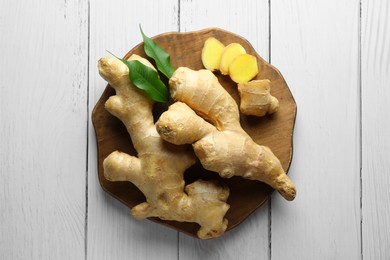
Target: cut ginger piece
(212,53)
(256,99)
(243,68)
(230,52)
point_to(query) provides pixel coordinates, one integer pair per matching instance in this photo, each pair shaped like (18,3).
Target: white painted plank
(43,114)
(250,20)
(112,232)
(315,46)
(247,241)
(375,129)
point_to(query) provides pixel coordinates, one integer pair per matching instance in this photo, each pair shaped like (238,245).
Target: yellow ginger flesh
(211,54)
(243,68)
(229,53)
(221,145)
(158,169)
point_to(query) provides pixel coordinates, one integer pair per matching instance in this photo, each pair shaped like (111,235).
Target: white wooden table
(335,57)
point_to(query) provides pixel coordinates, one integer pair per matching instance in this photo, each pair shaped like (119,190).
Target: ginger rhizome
(256,98)
(157,170)
(207,117)
(233,60)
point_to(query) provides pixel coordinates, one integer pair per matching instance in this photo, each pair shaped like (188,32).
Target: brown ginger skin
(159,166)
(256,98)
(221,145)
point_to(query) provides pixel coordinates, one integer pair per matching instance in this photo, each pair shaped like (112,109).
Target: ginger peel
(158,168)
(220,143)
(256,99)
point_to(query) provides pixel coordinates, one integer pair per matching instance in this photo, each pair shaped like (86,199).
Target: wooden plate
(274,131)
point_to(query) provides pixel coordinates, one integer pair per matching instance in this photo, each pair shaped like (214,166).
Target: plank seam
(178,15)
(179,30)
(270,202)
(88,121)
(269,31)
(360,126)
(269,230)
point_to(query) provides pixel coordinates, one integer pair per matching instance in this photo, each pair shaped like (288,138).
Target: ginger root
(158,169)
(222,145)
(212,53)
(243,68)
(230,52)
(230,60)
(256,99)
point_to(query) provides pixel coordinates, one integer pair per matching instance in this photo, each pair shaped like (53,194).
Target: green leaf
(162,59)
(147,79)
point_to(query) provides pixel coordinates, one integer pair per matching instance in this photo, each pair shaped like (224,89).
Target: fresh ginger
(211,54)
(222,145)
(231,60)
(256,99)
(158,169)
(230,52)
(243,68)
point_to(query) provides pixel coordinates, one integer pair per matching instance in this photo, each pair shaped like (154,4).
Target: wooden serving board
(274,131)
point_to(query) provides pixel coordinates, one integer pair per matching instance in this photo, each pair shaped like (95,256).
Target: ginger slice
(256,99)
(212,53)
(243,68)
(158,169)
(230,52)
(222,145)
(231,60)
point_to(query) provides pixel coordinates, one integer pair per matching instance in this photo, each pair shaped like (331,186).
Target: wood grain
(112,232)
(315,44)
(375,73)
(43,114)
